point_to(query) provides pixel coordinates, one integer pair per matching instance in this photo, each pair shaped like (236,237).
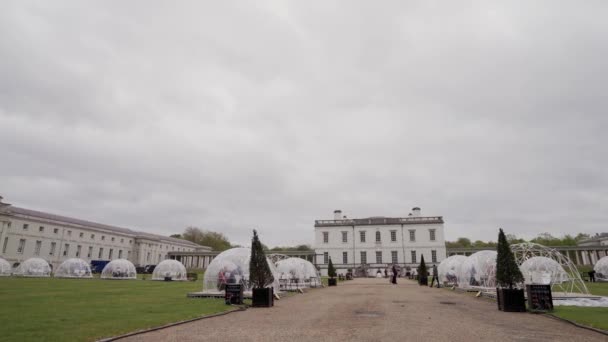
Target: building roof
(379,221)
(120,230)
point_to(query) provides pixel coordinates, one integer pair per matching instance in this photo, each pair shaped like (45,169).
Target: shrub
(260,274)
(331,270)
(507,271)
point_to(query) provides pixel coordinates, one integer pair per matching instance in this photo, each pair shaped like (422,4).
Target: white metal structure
(568,282)
(5,268)
(171,269)
(73,268)
(478,271)
(33,267)
(232,267)
(601,269)
(119,269)
(448,269)
(296,273)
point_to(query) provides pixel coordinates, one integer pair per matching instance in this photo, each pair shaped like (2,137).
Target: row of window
(66,250)
(394,257)
(379,236)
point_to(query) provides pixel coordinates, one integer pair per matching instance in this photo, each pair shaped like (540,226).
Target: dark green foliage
(260,274)
(507,271)
(331,270)
(422,271)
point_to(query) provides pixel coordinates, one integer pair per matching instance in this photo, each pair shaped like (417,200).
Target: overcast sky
(238,115)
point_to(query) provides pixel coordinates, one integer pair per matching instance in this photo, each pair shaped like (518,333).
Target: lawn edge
(143,331)
(553,316)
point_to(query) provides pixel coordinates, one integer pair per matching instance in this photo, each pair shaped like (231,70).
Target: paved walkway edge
(604,332)
(114,338)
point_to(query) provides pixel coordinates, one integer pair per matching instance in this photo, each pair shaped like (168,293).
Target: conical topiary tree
(422,272)
(331,270)
(507,271)
(260,274)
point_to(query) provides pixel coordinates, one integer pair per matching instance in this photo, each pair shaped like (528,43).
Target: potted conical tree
(260,275)
(331,272)
(423,276)
(509,294)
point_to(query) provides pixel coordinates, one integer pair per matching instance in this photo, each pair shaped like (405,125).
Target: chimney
(416,212)
(337,214)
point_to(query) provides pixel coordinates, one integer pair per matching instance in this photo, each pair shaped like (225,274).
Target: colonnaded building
(26,233)
(367,245)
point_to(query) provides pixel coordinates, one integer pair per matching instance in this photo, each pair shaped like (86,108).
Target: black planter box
(423,281)
(540,297)
(263,298)
(168,279)
(332,282)
(234,294)
(511,300)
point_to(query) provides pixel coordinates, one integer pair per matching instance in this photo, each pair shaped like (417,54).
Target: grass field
(49,309)
(593,317)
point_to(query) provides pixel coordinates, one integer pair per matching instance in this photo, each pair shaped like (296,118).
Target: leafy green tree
(217,241)
(177,236)
(422,271)
(507,271)
(260,274)
(331,270)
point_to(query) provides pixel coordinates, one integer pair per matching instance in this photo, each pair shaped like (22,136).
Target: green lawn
(49,309)
(593,317)
(598,289)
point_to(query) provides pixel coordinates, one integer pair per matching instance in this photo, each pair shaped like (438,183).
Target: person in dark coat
(394,279)
(435,276)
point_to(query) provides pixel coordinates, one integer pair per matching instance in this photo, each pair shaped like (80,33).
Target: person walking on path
(394,278)
(592,276)
(435,276)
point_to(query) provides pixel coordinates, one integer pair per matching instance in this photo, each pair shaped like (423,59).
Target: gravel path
(373,310)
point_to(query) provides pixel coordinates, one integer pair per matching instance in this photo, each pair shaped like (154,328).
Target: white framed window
(378,257)
(78,250)
(344,237)
(434,256)
(41,229)
(56,231)
(110,253)
(92,236)
(81,234)
(21,246)
(5,245)
(394,258)
(345,257)
(103,237)
(362,235)
(26,226)
(412,235)
(363,257)
(128,254)
(120,254)
(122,240)
(37,248)
(414,257)
(90,252)
(148,257)
(53,247)
(393,236)
(432,234)
(112,239)
(69,233)
(378,237)
(325,237)
(66,250)
(100,254)
(326,257)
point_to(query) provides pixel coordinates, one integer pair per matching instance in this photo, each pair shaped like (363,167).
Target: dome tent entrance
(448,269)
(33,267)
(478,271)
(5,268)
(170,269)
(601,269)
(232,267)
(119,269)
(73,268)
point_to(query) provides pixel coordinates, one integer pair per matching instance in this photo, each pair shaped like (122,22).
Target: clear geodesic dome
(296,273)
(119,269)
(543,270)
(448,269)
(5,268)
(232,267)
(74,268)
(171,269)
(601,269)
(33,267)
(478,271)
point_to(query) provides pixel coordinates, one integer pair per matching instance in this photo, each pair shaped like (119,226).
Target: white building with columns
(26,233)
(377,243)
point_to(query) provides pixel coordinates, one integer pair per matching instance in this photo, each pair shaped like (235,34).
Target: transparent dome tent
(478,271)
(33,267)
(567,281)
(119,269)
(5,268)
(543,270)
(601,269)
(448,269)
(170,270)
(232,267)
(296,273)
(73,268)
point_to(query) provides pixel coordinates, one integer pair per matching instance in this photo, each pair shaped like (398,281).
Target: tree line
(545,239)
